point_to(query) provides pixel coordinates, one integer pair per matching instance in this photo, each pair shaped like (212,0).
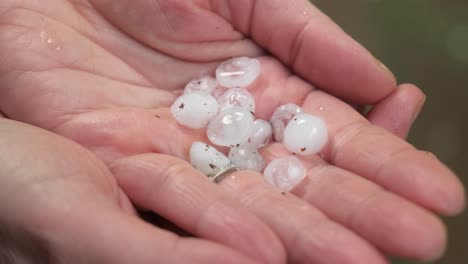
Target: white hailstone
(218,92)
(195,109)
(231,127)
(285,173)
(238,72)
(247,157)
(208,159)
(281,118)
(205,84)
(261,133)
(239,97)
(305,135)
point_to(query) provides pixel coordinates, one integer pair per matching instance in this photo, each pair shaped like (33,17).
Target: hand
(87,70)
(60,204)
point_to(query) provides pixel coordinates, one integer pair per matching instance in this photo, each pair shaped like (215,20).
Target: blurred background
(424,42)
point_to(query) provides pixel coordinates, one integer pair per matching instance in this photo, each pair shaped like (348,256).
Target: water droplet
(50,39)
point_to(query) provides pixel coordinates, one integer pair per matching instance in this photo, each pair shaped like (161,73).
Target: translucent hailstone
(247,157)
(208,159)
(231,127)
(205,84)
(239,97)
(261,133)
(195,109)
(238,72)
(281,118)
(305,135)
(285,173)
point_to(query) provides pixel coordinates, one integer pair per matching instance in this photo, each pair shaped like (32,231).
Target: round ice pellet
(238,72)
(205,84)
(261,133)
(231,127)
(208,159)
(195,109)
(285,173)
(281,118)
(246,157)
(305,135)
(237,97)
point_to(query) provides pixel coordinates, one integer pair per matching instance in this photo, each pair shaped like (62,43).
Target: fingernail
(383,66)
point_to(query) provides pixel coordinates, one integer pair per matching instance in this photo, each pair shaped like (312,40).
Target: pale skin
(102,73)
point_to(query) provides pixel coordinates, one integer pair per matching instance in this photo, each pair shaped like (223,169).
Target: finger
(300,35)
(371,152)
(187,30)
(69,204)
(305,242)
(314,46)
(309,235)
(114,237)
(394,225)
(397,112)
(173,189)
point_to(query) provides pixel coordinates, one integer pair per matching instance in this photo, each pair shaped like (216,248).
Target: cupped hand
(61,204)
(103,73)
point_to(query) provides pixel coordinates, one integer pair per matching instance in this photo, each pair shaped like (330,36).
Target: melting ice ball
(261,133)
(281,118)
(205,84)
(285,173)
(239,97)
(247,157)
(208,159)
(195,109)
(305,135)
(231,127)
(238,72)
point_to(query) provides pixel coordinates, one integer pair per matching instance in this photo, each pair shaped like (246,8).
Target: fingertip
(432,242)
(415,96)
(398,111)
(454,200)
(446,194)
(388,79)
(419,234)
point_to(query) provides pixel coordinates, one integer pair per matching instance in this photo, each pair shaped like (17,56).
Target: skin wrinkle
(319,173)
(298,44)
(377,172)
(159,11)
(355,214)
(341,137)
(87,37)
(250,20)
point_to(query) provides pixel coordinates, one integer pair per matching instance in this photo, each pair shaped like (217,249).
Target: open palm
(103,73)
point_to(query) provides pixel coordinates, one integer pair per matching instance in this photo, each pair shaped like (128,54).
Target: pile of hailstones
(226,109)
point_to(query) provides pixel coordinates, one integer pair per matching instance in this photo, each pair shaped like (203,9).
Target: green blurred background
(423,42)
